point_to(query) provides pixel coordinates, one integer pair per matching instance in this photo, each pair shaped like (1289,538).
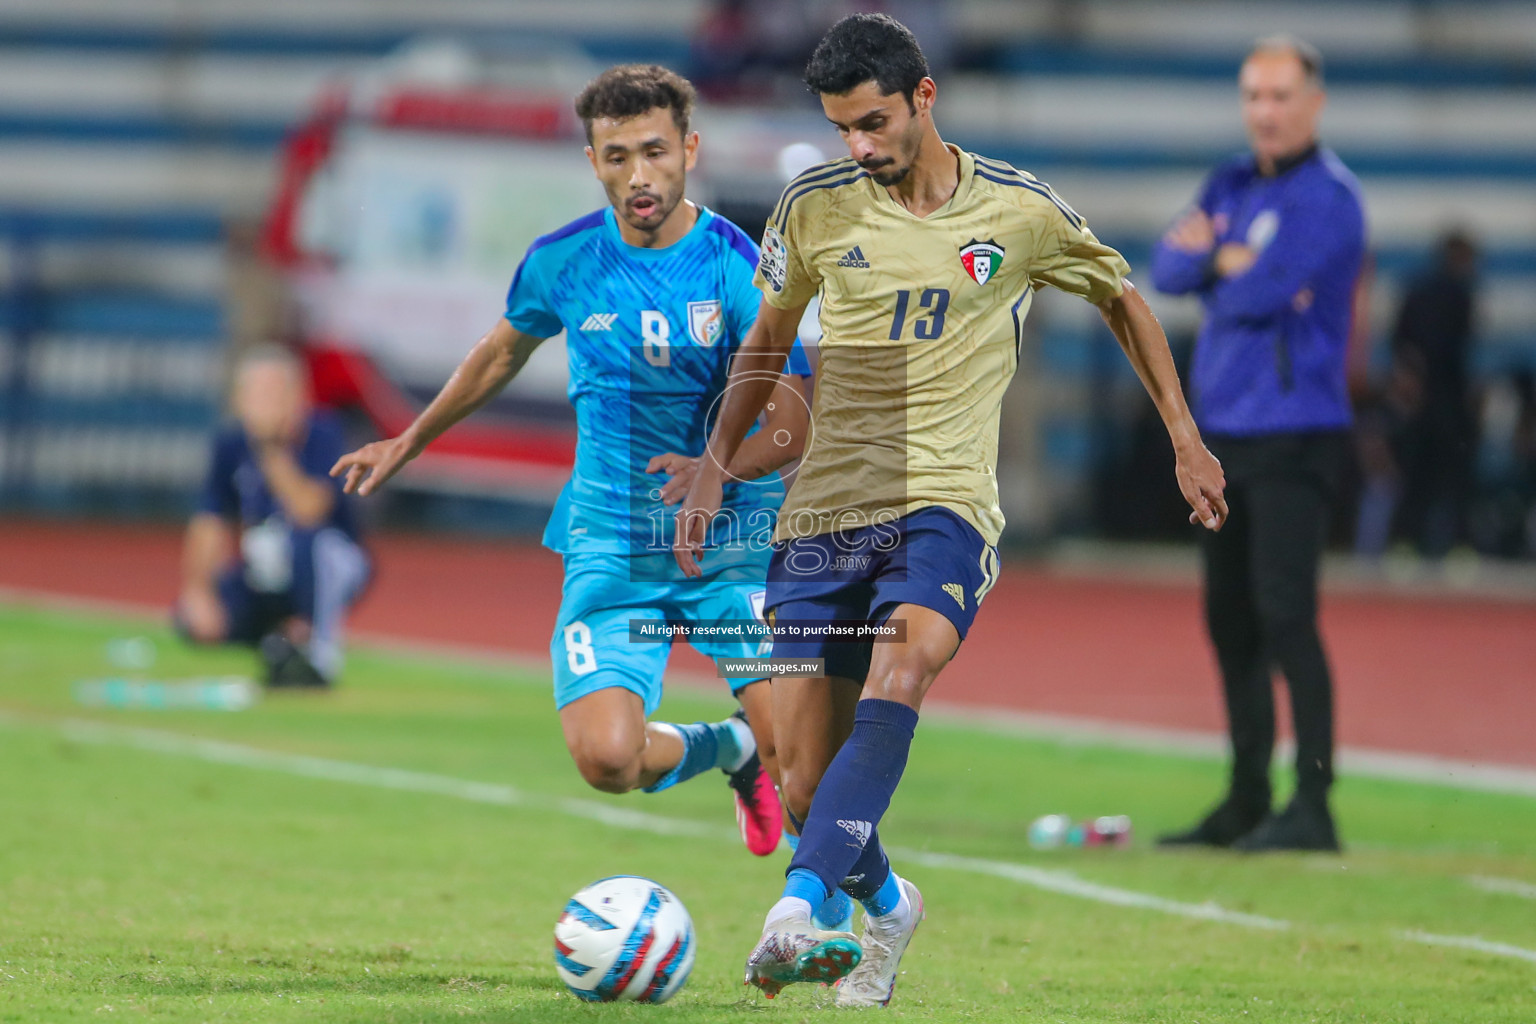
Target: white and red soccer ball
(624,937)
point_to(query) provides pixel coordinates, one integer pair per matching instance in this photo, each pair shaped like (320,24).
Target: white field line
(1073,729)
(1059,882)
(219,752)
(1502,886)
(1471,942)
(1067,884)
(1357,762)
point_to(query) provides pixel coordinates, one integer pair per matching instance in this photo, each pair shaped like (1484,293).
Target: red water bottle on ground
(1107,830)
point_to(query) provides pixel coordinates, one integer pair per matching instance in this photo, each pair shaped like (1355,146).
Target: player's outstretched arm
(781,440)
(496,359)
(1142,339)
(755,372)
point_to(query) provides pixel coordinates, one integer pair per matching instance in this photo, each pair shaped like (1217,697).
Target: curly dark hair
(630,90)
(863,48)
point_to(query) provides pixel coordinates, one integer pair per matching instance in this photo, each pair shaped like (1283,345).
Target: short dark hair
(630,90)
(863,48)
(1308,56)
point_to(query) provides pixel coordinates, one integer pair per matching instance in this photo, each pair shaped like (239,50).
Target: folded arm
(1182,258)
(1270,280)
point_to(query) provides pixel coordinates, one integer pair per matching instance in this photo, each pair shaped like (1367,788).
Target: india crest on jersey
(705,322)
(981,259)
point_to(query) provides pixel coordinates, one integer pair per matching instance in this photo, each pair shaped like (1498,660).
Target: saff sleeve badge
(773,259)
(981,259)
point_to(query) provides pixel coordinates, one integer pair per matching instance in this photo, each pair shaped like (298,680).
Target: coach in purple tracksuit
(1273,247)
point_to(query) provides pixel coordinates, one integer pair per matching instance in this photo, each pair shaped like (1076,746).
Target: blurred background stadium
(181,178)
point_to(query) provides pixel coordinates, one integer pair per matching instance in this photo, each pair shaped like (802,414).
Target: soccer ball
(624,937)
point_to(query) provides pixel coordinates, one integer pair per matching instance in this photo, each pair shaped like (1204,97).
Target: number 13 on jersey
(928,323)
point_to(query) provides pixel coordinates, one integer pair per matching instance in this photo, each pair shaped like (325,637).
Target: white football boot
(885,939)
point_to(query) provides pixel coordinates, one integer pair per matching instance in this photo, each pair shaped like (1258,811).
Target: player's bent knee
(904,682)
(609,777)
(797,789)
(609,768)
(605,734)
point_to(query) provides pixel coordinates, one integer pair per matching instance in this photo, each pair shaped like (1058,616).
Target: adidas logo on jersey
(860,830)
(957,592)
(599,322)
(855,258)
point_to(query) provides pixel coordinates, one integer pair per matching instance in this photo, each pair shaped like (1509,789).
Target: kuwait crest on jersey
(981,259)
(705,322)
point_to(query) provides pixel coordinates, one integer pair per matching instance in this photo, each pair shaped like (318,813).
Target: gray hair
(1308,56)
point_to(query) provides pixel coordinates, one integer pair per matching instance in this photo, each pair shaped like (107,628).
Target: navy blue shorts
(932,558)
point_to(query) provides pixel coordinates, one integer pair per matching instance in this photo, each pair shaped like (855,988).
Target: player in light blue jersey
(654,294)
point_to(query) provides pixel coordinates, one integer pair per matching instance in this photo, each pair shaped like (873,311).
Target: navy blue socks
(839,841)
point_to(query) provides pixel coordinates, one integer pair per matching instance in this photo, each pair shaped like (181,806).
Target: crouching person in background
(271,557)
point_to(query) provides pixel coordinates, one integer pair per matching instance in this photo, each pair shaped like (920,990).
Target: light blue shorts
(594,645)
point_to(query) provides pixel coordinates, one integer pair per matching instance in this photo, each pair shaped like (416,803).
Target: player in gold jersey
(925,258)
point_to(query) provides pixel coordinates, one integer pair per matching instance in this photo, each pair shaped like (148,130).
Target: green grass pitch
(327,857)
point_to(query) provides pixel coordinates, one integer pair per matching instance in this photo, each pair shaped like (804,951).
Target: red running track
(1447,676)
